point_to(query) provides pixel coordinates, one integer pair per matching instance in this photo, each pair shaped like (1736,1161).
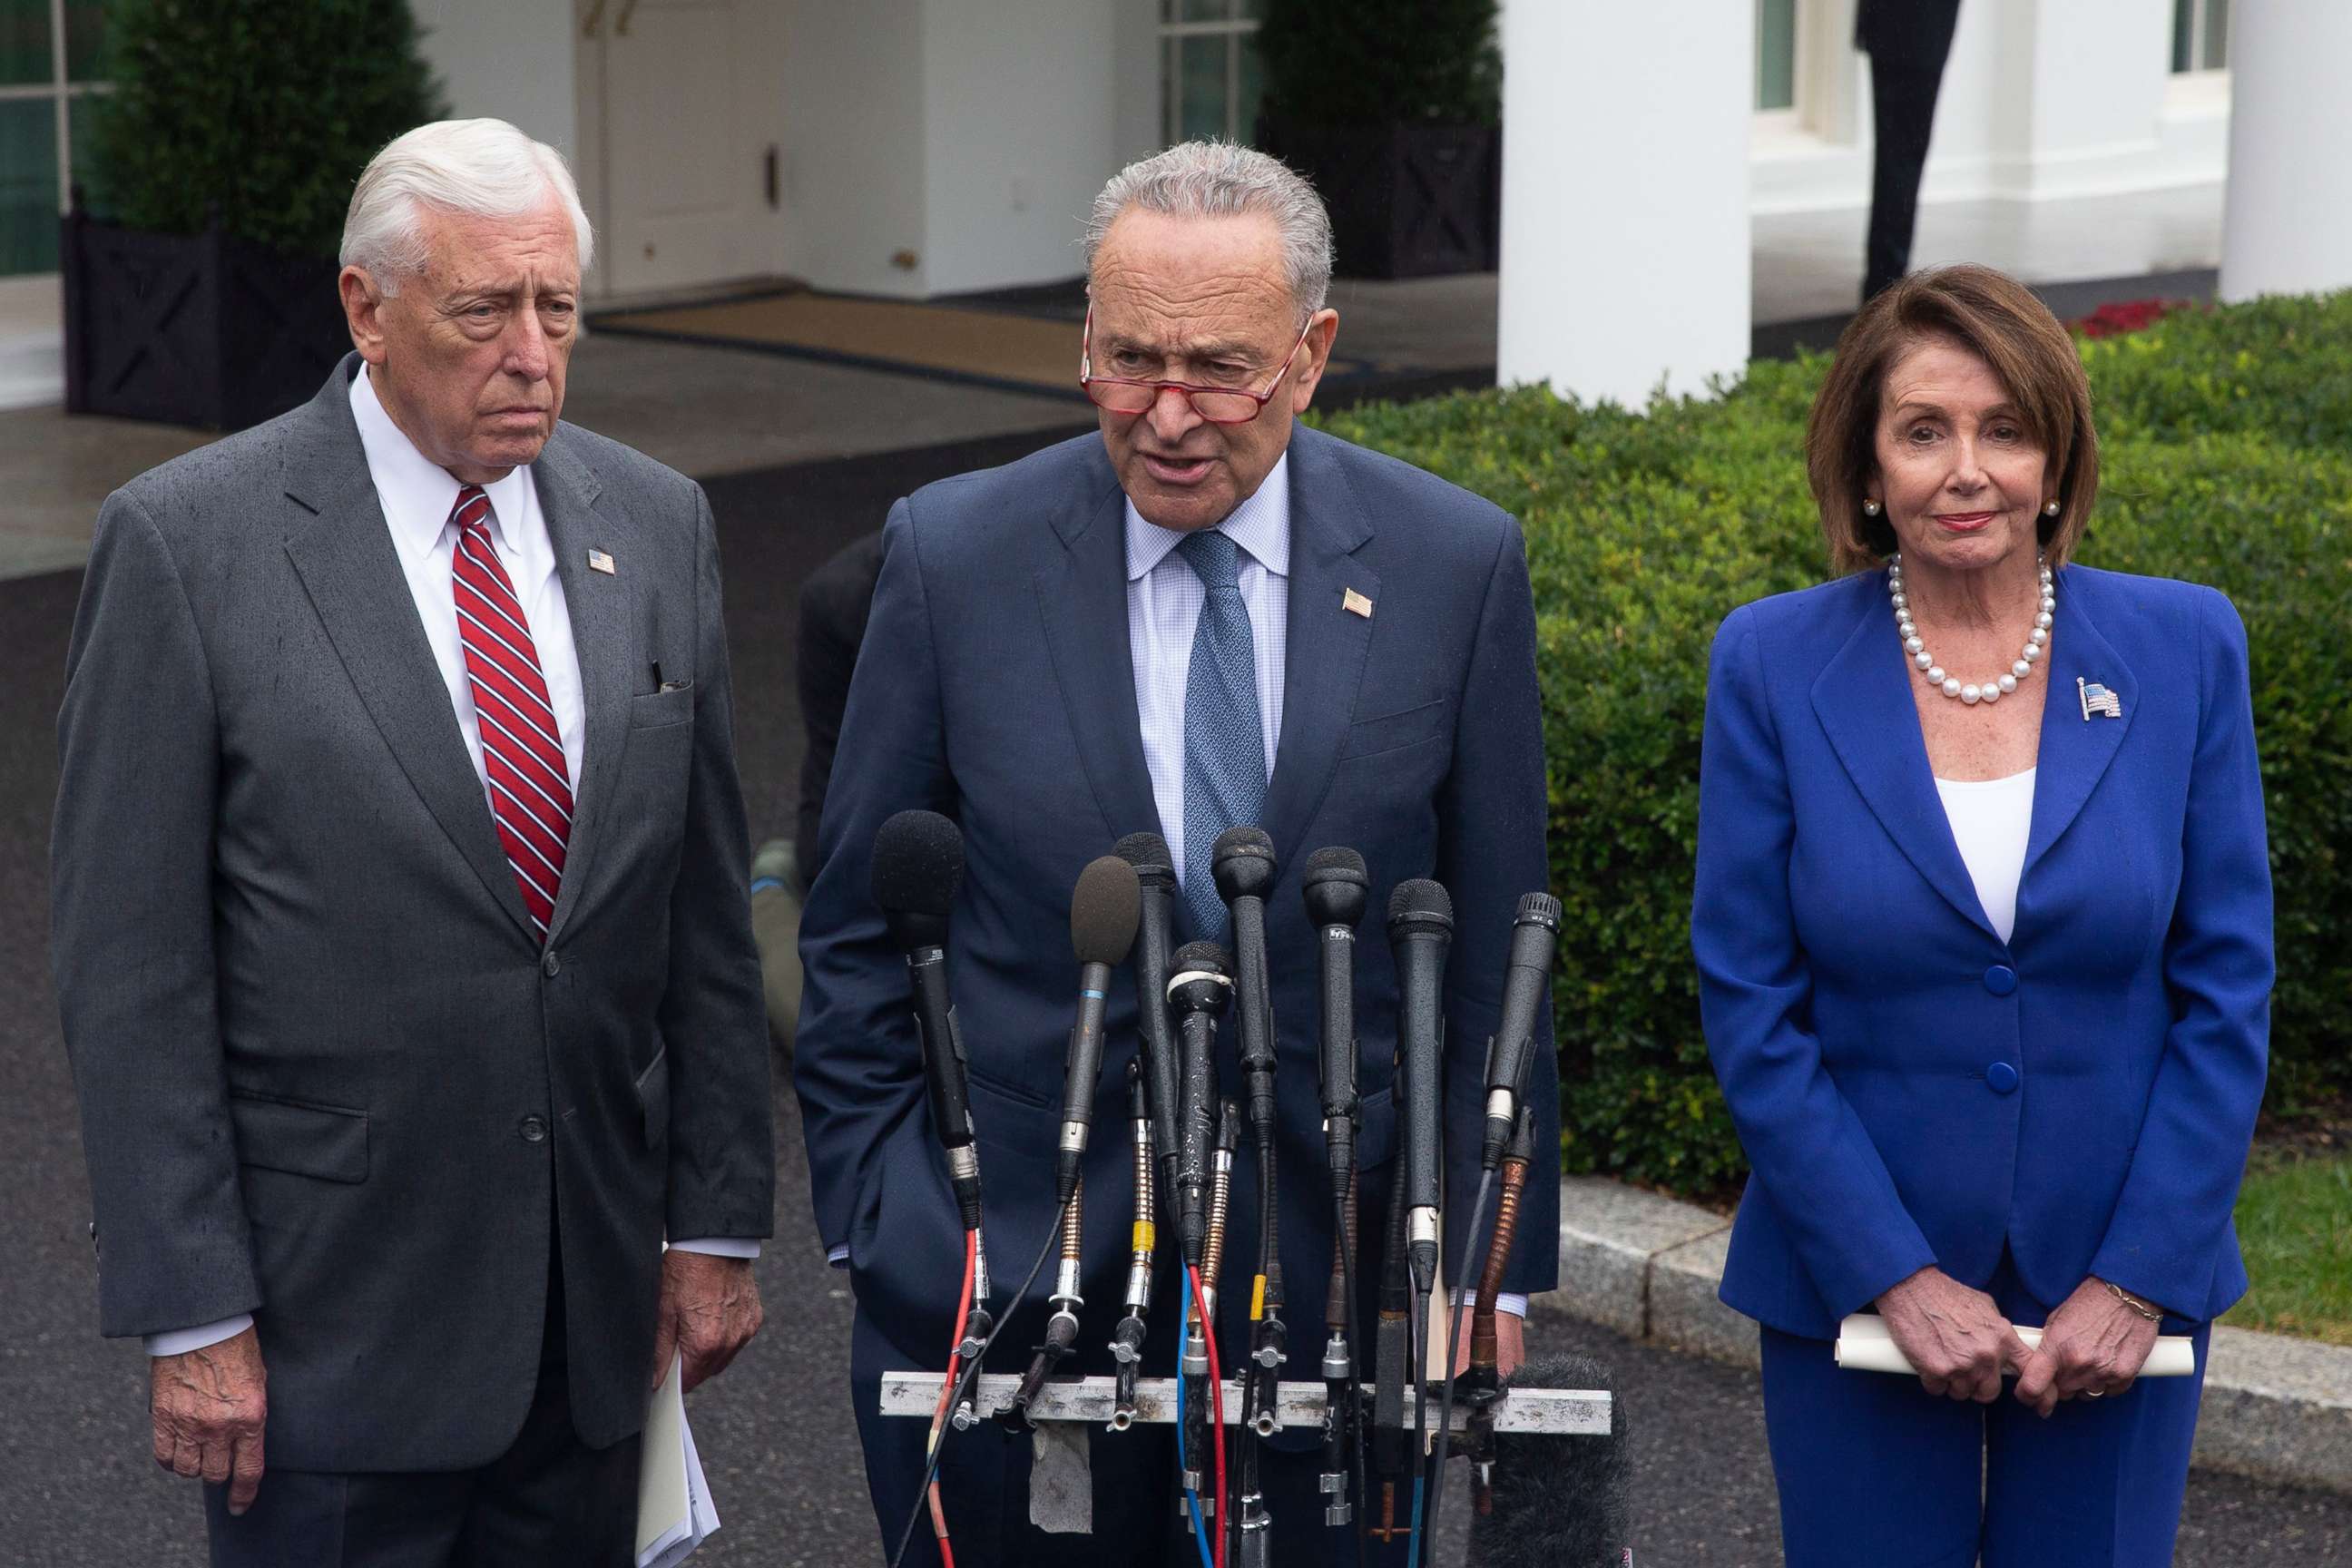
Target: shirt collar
(1260,525)
(417,494)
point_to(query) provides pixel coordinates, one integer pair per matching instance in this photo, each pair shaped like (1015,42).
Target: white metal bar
(1582,1412)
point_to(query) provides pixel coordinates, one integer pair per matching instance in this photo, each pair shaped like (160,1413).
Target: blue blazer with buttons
(1911,1090)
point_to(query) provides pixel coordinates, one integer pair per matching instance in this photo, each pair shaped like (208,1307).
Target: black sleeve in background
(834,604)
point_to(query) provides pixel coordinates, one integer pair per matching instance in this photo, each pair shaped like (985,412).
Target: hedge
(2227,450)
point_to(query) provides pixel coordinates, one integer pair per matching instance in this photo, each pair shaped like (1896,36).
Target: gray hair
(1218,179)
(485,168)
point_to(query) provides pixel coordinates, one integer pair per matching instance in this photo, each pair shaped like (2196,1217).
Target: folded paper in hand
(674,1510)
(1864,1344)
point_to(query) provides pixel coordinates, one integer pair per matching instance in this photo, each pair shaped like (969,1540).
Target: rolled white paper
(1864,1344)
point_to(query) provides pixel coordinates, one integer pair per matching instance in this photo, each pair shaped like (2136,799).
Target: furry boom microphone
(1560,1502)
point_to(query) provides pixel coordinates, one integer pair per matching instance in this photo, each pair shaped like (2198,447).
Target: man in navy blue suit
(1204,617)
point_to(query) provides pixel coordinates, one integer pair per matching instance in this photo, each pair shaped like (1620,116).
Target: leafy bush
(2227,439)
(264,110)
(1364,62)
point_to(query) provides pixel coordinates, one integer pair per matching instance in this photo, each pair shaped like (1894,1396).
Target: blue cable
(1413,1541)
(1191,1498)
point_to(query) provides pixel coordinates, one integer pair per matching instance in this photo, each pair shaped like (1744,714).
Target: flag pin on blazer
(600,561)
(2097,698)
(1355,603)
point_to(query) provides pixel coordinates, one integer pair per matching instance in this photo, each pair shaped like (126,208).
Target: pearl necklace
(1992,691)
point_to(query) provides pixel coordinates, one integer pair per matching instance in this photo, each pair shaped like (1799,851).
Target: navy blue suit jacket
(995,685)
(1910,1089)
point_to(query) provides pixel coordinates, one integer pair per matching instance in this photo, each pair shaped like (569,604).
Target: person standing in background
(1907,42)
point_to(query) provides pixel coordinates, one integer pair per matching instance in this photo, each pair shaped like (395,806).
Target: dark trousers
(546,1500)
(1875,1470)
(1904,105)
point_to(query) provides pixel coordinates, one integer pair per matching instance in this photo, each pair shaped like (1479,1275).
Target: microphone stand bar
(1568,1412)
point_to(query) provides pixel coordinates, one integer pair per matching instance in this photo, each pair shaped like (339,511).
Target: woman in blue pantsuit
(1984,956)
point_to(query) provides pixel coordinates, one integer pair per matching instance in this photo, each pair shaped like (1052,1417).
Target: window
(2201,35)
(50,64)
(1210,80)
(1775,55)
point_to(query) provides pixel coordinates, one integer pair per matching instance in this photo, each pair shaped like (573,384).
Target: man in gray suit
(401,930)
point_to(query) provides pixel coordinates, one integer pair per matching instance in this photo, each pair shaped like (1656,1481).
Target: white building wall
(511,61)
(1021,129)
(854,155)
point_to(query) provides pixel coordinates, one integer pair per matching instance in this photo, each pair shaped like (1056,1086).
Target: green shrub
(265,110)
(1358,62)
(2227,438)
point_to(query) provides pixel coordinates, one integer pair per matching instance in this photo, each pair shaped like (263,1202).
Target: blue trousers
(1875,1472)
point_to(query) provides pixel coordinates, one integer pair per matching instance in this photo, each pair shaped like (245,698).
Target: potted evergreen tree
(225,160)
(1393,109)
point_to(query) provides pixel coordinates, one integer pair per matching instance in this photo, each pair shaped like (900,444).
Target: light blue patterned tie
(1224,738)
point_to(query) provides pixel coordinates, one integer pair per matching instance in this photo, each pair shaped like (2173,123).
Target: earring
(1869,507)
(2051,508)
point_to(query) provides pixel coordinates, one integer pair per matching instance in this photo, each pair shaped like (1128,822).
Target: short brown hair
(1996,318)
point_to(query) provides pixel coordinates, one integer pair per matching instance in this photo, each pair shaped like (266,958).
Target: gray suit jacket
(327,1073)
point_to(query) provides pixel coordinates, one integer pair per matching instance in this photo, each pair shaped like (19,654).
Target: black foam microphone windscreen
(1561,1501)
(1104,910)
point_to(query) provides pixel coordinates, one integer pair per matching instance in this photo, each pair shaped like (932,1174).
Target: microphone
(1334,885)
(1103,914)
(1558,1502)
(1197,991)
(917,868)
(1420,931)
(1533,932)
(1156,878)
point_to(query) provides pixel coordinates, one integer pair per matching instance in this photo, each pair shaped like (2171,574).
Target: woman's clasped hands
(1959,1343)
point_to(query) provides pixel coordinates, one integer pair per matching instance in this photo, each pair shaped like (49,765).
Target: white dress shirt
(417,495)
(1991,819)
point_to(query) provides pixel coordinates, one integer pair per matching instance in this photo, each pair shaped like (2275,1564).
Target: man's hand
(2094,1346)
(1510,1344)
(709,1310)
(207,1408)
(1954,1337)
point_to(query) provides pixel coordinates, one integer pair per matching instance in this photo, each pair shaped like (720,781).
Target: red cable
(1216,1404)
(947,1390)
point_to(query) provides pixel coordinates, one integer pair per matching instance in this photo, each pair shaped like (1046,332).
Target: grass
(2295,1223)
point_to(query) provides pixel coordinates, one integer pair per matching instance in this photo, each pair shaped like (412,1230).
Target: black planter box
(1407,200)
(202,330)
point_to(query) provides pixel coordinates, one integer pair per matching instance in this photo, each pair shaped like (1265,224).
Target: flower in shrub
(2120,316)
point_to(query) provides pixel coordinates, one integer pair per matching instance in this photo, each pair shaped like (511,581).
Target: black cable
(972,1376)
(1355,1399)
(1452,1359)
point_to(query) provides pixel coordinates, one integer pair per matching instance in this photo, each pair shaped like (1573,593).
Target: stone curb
(2276,1408)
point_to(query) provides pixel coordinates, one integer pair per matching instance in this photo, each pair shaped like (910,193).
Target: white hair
(1218,179)
(485,168)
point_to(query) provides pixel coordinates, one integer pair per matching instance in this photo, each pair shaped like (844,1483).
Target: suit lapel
(1323,652)
(2075,751)
(1082,597)
(343,550)
(1863,699)
(599,604)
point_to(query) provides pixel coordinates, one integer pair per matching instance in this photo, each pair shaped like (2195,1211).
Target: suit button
(551,965)
(2000,979)
(532,1129)
(2000,1078)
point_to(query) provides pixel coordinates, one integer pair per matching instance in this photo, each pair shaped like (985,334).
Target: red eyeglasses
(1217,405)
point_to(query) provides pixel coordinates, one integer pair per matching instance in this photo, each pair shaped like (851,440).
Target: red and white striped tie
(522,749)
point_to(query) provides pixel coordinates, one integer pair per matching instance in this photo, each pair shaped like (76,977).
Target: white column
(2287,219)
(1625,228)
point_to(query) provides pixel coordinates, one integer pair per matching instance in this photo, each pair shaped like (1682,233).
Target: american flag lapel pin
(1355,603)
(600,561)
(2097,698)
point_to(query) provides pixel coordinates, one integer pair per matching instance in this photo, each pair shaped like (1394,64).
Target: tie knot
(1213,557)
(473,509)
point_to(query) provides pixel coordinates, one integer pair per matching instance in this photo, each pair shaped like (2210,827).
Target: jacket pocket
(655,708)
(305,1139)
(652,1097)
(1392,731)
